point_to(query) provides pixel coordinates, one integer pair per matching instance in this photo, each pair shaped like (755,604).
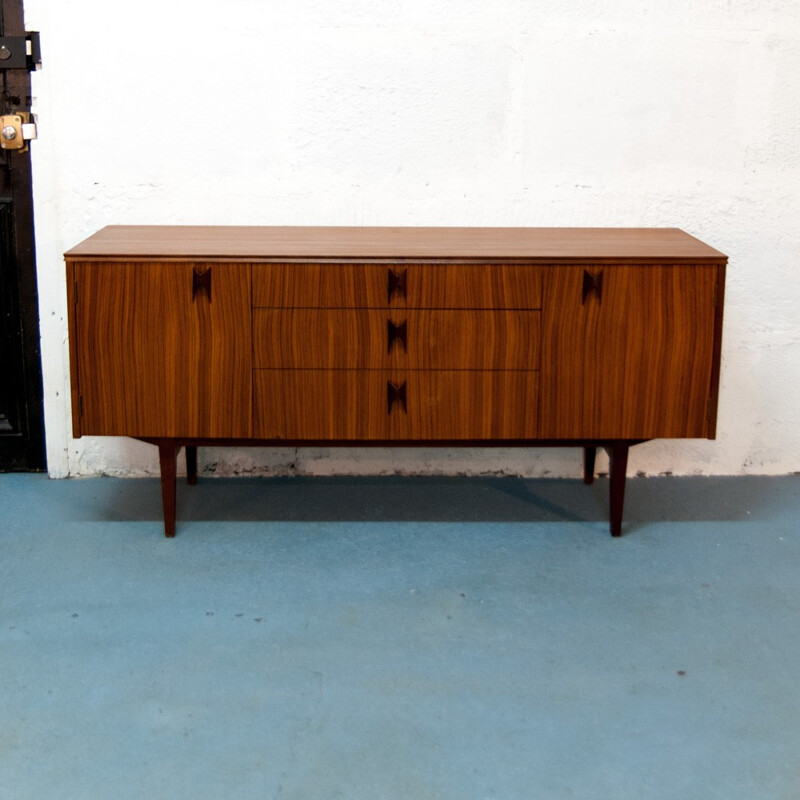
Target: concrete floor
(399,638)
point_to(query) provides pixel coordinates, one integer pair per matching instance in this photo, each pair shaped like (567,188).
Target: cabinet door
(627,352)
(163,349)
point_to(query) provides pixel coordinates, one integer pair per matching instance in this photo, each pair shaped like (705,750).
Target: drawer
(414,339)
(394,405)
(397,285)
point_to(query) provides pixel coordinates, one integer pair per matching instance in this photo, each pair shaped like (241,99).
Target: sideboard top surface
(253,243)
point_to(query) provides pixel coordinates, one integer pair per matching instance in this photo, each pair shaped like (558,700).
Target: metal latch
(16,130)
(20,52)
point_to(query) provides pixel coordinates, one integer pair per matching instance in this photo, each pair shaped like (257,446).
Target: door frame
(22,444)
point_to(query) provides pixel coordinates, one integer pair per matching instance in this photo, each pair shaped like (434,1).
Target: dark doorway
(21,402)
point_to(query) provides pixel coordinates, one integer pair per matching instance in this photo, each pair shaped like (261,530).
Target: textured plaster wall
(427,112)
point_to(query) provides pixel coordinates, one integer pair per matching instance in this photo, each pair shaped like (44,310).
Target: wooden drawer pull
(592,284)
(397,333)
(396,394)
(201,282)
(397,282)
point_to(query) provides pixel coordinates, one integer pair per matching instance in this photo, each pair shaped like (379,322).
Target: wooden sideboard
(188,336)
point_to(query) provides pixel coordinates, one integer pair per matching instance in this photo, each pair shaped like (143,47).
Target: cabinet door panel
(629,356)
(365,339)
(421,405)
(161,354)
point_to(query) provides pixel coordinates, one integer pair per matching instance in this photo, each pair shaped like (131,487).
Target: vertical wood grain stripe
(355,339)
(352,404)
(153,362)
(636,365)
(427,286)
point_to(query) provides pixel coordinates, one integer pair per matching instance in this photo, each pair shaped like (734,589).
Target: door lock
(16,130)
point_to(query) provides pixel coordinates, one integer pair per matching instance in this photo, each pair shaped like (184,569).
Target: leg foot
(589,454)
(618,458)
(191,465)
(168,456)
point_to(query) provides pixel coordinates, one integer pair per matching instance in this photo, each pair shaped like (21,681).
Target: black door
(21,405)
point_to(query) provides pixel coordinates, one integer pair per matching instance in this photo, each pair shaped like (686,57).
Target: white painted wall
(427,112)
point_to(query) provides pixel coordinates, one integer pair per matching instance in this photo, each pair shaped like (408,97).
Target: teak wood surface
(417,339)
(184,336)
(634,364)
(154,361)
(353,404)
(346,285)
(547,245)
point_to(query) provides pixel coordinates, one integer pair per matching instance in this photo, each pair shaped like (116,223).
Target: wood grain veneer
(635,364)
(425,286)
(153,361)
(548,245)
(359,339)
(352,404)
(187,335)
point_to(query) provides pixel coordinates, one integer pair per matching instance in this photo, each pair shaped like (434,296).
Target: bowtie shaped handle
(397,283)
(592,284)
(396,395)
(201,282)
(397,333)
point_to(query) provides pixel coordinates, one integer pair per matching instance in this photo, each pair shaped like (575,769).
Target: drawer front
(397,285)
(386,405)
(362,339)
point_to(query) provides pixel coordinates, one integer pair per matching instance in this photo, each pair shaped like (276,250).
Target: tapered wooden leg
(589,454)
(191,465)
(618,458)
(168,457)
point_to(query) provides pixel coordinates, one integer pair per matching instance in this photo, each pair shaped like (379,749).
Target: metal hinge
(16,130)
(20,52)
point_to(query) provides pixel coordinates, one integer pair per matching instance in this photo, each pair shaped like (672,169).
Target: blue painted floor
(399,638)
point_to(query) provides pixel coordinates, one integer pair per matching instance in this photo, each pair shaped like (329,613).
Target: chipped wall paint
(433,112)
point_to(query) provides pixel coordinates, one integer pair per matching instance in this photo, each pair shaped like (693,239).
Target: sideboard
(189,336)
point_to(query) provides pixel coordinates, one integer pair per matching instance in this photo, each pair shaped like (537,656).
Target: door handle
(396,395)
(592,284)
(201,282)
(397,283)
(397,333)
